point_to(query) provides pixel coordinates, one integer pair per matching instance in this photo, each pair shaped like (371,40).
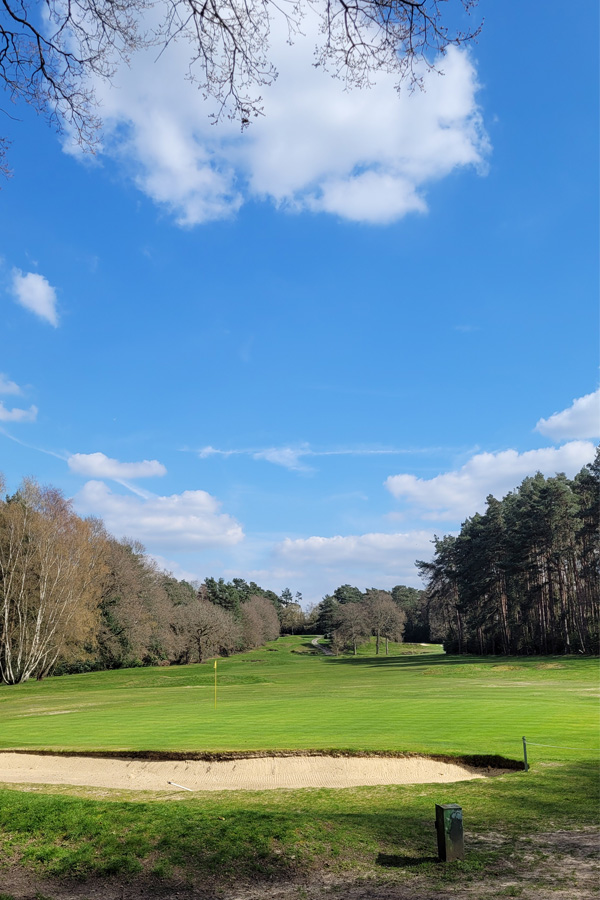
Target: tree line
(524,577)
(351,617)
(73,598)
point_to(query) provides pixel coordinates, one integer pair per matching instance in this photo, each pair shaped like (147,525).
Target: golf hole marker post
(449,827)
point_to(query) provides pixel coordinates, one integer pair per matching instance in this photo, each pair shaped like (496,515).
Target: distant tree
(311,616)
(202,630)
(415,605)
(242,588)
(327,615)
(259,622)
(384,616)
(348,594)
(353,626)
(222,594)
(285,598)
(247,589)
(292,619)
(179,591)
(271,596)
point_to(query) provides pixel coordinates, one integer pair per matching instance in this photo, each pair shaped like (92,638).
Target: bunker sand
(254,774)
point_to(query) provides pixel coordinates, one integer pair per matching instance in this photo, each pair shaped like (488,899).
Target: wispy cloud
(581,420)
(291,457)
(35,293)
(17,415)
(11,437)
(287,457)
(7,386)
(98,465)
(205,452)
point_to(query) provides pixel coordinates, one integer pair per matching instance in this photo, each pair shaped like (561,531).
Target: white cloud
(97,465)
(581,420)
(455,495)
(377,556)
(7,386)
(365,155)
(18,415)
(187,521)
(36,294)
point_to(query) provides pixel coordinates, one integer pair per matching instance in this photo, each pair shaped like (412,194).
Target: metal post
(525,764)
(449,825)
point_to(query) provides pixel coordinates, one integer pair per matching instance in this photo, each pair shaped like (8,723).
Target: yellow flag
(215,664)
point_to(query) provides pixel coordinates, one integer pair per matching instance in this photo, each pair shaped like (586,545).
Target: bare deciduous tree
(353,626)
(136,608)
(260,622)
(204,629)
(51,568)
(385,617)
(51,51)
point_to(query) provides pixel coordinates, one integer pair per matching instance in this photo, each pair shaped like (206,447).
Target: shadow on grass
(412,661)
(429,660)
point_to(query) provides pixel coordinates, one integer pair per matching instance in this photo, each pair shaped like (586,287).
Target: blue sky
(296,354)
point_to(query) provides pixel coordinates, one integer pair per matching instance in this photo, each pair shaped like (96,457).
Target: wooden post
(525,763)
(449,825)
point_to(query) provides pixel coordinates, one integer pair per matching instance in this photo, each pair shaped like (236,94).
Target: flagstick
(215,684)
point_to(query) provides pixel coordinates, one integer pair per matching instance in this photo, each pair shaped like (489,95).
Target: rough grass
(246,833)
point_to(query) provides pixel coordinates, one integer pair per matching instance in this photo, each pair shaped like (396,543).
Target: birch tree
(51,569)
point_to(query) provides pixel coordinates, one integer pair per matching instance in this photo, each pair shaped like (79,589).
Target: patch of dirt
(559,865)
(252,774)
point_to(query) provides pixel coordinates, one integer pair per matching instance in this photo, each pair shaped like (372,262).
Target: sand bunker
(255,774)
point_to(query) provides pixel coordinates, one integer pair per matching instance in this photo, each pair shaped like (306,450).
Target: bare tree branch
(52,50)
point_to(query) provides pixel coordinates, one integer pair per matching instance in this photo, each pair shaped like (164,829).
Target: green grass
(275,698)
(278,698)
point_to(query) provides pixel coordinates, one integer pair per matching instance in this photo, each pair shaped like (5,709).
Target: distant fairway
(284,697)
